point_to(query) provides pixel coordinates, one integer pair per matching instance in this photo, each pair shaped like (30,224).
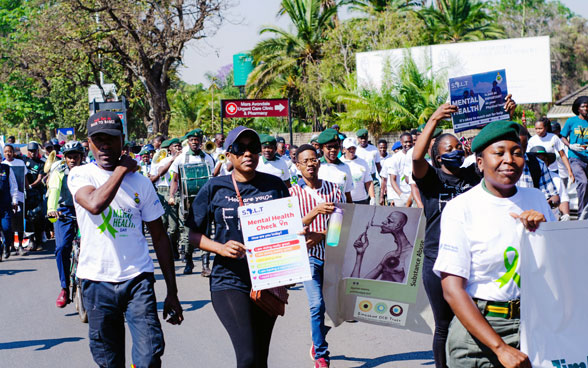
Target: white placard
(276,254)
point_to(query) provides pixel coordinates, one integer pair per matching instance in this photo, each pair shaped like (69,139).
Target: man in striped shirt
(317,200)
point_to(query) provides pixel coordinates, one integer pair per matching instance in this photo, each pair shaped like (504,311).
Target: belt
(163,189)
(508,310)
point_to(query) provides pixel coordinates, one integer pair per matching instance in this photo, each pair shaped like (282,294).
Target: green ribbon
(511,273)
(106,223)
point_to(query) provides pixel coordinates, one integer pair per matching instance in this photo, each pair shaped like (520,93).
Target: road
(34,333)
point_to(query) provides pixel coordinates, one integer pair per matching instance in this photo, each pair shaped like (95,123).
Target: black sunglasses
(239,148)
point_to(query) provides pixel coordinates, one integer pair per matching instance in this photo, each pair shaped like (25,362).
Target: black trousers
(249,327)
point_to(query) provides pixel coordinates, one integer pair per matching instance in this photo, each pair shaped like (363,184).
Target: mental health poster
(479,98)
(374,274)
(276,253)
(554,322)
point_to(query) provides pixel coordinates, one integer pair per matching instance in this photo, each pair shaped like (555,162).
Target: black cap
(106,122)
(47,144)
(280,140)
(235,133)
(32,146)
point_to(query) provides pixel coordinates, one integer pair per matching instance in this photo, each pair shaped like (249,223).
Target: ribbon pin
(106,223)
(511,273)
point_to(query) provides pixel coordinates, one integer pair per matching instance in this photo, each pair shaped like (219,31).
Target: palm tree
(283,60)
(460,20)
(378,6)
(406,99)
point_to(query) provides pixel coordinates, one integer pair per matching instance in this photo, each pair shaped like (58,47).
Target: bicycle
(75,284)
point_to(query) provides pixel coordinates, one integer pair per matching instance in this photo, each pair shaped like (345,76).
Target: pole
(222,125)
(290,124)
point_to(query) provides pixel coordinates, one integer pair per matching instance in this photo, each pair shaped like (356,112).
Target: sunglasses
(239,148)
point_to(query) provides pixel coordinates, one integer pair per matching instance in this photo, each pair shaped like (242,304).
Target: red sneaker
(321,363)
(62,299)
(312,352)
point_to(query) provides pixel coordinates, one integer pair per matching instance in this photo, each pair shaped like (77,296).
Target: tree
(378,6)
(284,60)
(459,20)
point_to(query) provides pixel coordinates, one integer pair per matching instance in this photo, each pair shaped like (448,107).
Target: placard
(479,98)
(276,253)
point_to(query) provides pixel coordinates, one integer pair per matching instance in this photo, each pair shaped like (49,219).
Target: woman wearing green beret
(479,252)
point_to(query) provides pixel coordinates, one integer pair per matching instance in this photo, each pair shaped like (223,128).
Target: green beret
(501,130)
(267,139)
(195,133)
(361,132)
(174,141)
(437,132)
(165,143)
(143,152)
(328,135)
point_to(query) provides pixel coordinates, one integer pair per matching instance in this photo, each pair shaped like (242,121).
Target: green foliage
(407,99)
(378,6)
(460,20)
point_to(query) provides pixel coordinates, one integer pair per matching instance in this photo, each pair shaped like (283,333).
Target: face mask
(453,159)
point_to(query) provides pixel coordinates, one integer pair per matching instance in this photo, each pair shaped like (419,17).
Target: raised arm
(96,200)
(419,164)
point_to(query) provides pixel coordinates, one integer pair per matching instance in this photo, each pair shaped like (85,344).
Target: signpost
(257,108)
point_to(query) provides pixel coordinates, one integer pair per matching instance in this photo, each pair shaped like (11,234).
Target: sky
(240,32)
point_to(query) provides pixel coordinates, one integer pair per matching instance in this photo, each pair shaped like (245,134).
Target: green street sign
(242,66)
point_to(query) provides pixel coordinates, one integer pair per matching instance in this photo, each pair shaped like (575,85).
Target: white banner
(554,321)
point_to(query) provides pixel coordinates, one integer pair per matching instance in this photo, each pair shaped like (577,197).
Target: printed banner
(276,254)
(374,274)
(554,322)
(480,99)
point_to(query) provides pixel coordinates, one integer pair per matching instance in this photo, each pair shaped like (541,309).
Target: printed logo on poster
(251,210)
(381,311)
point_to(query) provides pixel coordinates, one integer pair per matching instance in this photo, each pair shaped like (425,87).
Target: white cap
(349,142)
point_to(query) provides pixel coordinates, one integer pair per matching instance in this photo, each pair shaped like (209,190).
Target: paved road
(34,333)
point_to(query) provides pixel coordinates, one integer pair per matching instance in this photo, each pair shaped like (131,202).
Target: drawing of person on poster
(395,263)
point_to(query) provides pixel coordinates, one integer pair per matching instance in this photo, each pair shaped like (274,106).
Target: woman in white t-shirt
(552,144)
(479,250)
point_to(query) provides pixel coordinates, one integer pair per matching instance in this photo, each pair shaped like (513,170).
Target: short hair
(405,134)
(382,140)
(293,147)
(414,132)
(303,148)
(546,124)
(9,145)
(159,137)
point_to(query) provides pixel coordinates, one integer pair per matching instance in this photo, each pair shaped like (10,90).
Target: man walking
(111,201)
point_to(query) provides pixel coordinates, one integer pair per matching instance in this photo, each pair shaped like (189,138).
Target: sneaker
(312,352)
(62,299)
(321,363)
(6,254)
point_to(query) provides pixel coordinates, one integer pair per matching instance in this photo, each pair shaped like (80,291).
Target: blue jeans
(108,305)
(65,232)
(316,302)
(6,228)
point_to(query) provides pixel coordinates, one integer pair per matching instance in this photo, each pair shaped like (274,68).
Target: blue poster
(480,99)
(66,131)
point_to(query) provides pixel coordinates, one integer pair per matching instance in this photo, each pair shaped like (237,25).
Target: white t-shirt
(370,155)
(552,144)
(20,164)
(397,165)
(277,167)
(165,179)
(360,172)
(113,247)
(338,174)
(480,241)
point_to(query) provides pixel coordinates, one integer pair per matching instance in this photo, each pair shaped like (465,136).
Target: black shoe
(6,255)
(188,269)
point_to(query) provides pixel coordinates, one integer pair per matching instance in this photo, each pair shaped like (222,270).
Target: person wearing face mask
(438,183)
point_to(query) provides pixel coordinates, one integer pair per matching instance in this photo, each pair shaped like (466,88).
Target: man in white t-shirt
(332,169)
(398,170)
(112,201)
(368,152)
(363,188)
(193,155)
(270,162)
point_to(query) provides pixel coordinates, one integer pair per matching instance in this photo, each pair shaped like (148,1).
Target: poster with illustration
(480,99)
(374,274)
(276,253)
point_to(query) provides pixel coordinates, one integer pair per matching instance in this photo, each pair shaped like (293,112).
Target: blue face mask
(453,159)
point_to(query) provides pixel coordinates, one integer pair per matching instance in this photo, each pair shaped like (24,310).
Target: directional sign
(275,107)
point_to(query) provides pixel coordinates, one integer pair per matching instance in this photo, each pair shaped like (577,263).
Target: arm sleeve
(367,175)
(13,186)
(151,208)
(566,130)
(546,182)
(558,144)
(454,250)
(348,179)
(53,191)
(174,166)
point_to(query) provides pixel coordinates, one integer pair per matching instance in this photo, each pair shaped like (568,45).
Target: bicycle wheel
(80,305)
